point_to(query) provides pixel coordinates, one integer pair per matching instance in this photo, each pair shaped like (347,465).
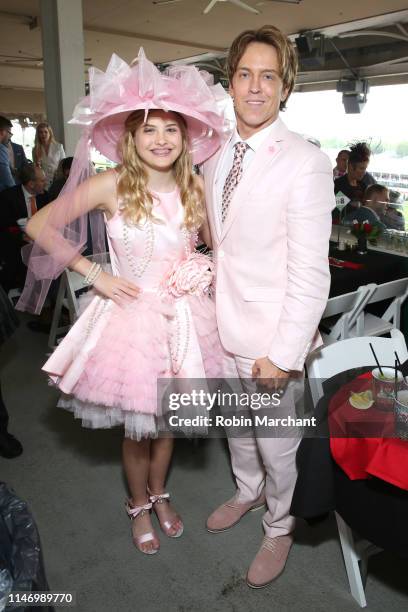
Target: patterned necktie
(33,205)
(233,178)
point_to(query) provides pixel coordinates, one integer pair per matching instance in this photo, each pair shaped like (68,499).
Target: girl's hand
(118,289)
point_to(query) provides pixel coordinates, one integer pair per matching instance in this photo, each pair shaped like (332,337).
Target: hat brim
(203,136)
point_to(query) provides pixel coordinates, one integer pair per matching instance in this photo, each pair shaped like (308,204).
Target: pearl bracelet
(93,274)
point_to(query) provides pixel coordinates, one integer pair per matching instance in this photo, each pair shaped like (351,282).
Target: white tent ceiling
(370,35)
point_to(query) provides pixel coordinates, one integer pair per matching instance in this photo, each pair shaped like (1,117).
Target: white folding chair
(350,306)
(391,318)
(70,283)
(322,364)
(14,293)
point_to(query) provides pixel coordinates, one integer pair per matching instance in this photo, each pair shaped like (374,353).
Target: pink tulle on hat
(122,89)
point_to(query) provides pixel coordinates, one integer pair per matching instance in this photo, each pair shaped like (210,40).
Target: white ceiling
(179,30)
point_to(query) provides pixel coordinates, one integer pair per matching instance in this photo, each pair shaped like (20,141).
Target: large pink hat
(122,89)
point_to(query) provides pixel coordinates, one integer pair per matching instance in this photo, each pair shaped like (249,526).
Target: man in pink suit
(269,195)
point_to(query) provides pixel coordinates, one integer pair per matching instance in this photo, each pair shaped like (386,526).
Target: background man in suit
(9,446)
(61,178)
(269,195)
(18,202)
(22,201)
(17,159)
(6,178)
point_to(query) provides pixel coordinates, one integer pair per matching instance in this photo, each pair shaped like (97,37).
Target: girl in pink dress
(152,318)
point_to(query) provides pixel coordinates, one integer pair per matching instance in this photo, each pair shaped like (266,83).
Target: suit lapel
(264,158)
(211,179)
(209,174)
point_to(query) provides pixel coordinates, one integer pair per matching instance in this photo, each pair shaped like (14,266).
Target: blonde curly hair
(37,150)
(136,200)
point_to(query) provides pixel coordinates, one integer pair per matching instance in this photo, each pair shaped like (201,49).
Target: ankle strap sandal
(167,526)
(160,499)
(137,511)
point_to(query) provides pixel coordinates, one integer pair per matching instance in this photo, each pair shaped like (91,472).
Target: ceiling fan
(238,3)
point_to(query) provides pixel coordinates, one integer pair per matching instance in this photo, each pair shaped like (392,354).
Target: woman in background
(47,152)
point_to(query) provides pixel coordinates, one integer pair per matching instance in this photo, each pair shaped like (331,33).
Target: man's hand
(269,375)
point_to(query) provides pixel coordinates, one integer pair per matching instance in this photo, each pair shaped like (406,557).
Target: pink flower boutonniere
(193,276)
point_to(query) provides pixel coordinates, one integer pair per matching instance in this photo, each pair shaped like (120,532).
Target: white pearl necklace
(139,268)
(178,353)
(190,240)
(99,310)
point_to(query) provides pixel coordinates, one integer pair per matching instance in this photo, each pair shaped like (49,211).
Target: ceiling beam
(17,17)
(399,79)
(155,38)
(6,88)
(17,65)
(332,76)
(378,21)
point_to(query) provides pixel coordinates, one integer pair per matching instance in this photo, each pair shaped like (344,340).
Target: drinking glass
(383,386)
(401,414)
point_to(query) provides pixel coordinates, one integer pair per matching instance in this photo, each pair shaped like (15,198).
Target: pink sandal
(133,512)
(166,525)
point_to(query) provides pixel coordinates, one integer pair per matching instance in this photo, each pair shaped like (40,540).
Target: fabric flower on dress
(193,276)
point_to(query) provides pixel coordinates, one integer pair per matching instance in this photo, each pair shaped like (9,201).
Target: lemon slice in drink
(362,401)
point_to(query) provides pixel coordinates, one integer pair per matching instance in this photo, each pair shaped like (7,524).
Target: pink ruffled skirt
(109,364)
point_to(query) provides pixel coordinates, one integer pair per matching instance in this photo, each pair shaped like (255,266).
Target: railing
(390,241)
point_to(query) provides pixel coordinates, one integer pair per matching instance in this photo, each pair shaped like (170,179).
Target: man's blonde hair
(269,35)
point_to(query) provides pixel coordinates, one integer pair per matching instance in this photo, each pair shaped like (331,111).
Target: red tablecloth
(342,263)
(362,457)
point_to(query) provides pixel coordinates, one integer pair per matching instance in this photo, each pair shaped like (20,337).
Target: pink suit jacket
(273,275)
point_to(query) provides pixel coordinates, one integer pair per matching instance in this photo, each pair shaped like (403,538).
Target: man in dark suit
(59,182)
(9,446)
(18,202)
(6,178)
(17,159)
(22,201)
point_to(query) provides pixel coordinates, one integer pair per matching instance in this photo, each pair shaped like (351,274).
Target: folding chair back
(398,289)
(350,306)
